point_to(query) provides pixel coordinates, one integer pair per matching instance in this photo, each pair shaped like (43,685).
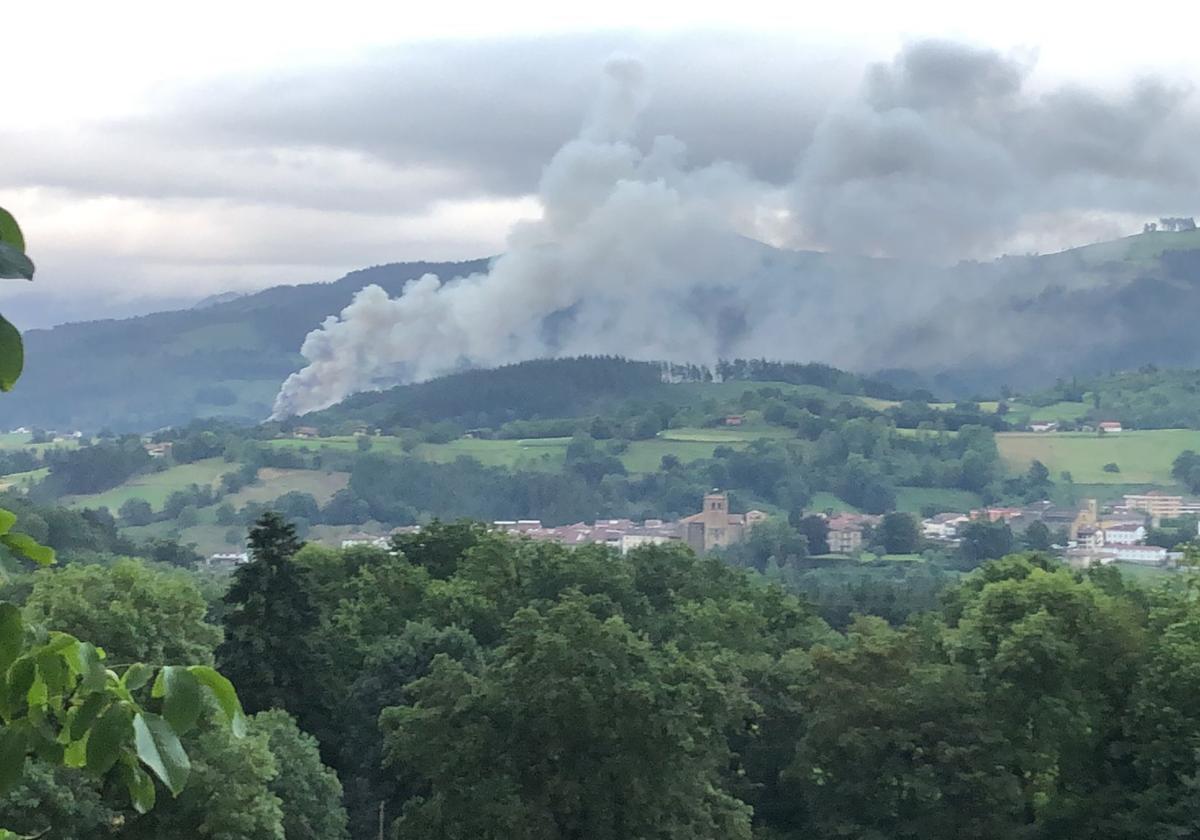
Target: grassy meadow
(1144,457)
(155,487)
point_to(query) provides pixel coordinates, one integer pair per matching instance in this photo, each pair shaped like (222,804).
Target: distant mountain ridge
(1017,321)
(226,359)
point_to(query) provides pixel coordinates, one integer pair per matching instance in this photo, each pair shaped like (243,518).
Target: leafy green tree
(135,511)
(389,667)
(269,625)
(297,505)
(815,530)
(900,533)
(55,801)
(1037,537)
(136,613)
(438,546)
(229,793)
(580,729)
(894,746)
(309,792)
(58,700)
(981,540)
(1057,657)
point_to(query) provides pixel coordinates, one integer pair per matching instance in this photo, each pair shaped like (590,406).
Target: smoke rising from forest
(943,155)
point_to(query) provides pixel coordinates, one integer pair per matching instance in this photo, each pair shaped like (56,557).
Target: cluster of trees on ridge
(469,685)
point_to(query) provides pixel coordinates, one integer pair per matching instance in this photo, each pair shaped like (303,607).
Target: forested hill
(961,331)
(225,359)
(562,388)
(1147,398)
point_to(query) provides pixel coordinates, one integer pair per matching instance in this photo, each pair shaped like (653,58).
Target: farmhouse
(1049,426)
(158,450)
(846,531)
(943,526)
(1109,427)
(734,420)
(305,432)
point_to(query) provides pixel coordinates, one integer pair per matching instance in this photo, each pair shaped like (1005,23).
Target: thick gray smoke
(947,153)
(943,155)
(635,253)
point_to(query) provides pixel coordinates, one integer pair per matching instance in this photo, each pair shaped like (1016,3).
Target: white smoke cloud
(943,154)
(628,240)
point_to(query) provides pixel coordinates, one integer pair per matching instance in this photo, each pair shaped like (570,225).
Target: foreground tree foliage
(61,703)
(503,688)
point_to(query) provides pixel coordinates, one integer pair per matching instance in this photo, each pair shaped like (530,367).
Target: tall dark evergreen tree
(270,621)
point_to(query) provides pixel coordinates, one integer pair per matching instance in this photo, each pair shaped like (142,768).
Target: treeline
(469,685)
(490,398)
(88,535)
(1148,398)
(567,388)
(814,373)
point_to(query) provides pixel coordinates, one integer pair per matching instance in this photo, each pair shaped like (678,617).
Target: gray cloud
(943,152)
(948,152)
(499,109)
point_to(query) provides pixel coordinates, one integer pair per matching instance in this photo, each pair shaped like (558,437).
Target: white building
(944,526)
(232,557)
(1130,533)
(1150,555)
(365,539)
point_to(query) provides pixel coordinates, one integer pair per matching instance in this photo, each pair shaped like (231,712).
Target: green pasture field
(155,487)
(1144,457)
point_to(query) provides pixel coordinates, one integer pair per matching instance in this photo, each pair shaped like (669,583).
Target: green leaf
(29,547)
(159,749)
(14,264)
(54,672)
(226,697)
(106,739)
(75,754)
(141,787)
(12,352)
(86,715)
(136,676)
(181,697)
(14,743)
(20,678)
(7,520)
(12,631)
(10,231)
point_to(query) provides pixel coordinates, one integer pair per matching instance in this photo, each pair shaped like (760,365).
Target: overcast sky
(155,154)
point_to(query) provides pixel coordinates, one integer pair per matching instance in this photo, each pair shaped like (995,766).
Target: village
(1094,534)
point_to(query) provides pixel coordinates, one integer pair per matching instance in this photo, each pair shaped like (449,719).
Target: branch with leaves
(59,700)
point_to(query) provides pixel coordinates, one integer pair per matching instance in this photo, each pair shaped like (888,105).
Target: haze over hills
(1017,321)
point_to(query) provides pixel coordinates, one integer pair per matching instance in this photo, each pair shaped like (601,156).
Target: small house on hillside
(734,420)
(305,432)
(1109,427)
(1048,426)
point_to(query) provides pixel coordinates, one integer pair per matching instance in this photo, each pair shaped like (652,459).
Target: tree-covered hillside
(960,331)
(225,360)
(1146,398)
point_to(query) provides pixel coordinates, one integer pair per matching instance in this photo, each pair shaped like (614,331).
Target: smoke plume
(629,242)
(944,154)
